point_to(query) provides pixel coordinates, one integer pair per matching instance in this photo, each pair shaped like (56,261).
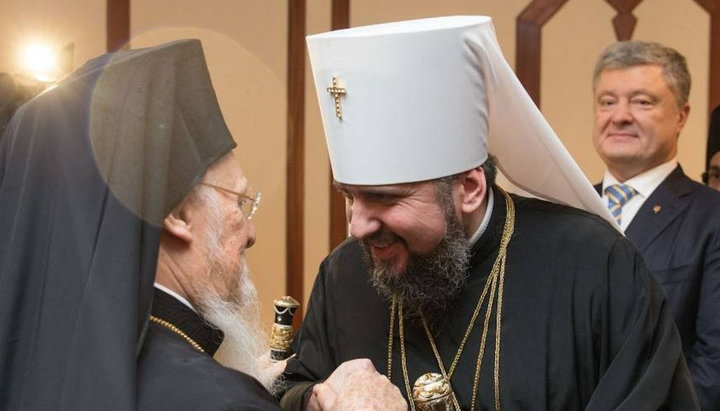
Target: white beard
(237,315)
(245,340)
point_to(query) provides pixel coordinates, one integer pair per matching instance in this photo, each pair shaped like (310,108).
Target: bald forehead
(227,172)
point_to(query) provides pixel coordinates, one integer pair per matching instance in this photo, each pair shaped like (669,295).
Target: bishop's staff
(282,332)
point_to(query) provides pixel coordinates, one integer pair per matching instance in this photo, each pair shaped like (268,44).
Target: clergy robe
(584,325)
(173,375)
(88,171)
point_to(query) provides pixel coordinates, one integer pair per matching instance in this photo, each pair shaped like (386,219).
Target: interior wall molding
(295,171)
(528,43)
(624,23)
(117,26)
(528,48)
(712,7)
(338,223)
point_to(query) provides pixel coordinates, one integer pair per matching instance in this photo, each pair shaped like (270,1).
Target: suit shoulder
(703,206)
(708,197)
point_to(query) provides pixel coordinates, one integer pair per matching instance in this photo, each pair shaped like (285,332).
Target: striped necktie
(618,195)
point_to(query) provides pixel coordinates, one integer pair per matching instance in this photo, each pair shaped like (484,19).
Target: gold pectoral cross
(336,92)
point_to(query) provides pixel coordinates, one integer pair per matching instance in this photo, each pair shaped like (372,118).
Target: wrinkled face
(637,120)
(224,231)
(395,221)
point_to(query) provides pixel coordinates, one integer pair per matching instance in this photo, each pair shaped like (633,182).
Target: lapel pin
(656,209)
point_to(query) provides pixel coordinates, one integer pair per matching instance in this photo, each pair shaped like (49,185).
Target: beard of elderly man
(202,259)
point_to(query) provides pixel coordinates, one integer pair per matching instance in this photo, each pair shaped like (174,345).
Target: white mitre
(422,99)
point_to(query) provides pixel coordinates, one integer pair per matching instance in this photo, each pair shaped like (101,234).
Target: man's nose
(622,114)
(251,234)
(363,220)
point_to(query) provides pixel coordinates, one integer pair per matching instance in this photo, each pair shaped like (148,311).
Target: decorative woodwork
(118,24)
(713,9)
(529,43)
(295,172)
(338,223)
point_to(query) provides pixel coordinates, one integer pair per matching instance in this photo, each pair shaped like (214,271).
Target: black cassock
(172,375)
(584,325)
(88,171)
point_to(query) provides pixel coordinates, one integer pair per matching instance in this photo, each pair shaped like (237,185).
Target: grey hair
(444,184)
(633,53)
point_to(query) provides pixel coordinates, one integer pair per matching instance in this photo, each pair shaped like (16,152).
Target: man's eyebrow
(644,92)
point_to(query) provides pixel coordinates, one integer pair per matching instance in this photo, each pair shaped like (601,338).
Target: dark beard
(430,283)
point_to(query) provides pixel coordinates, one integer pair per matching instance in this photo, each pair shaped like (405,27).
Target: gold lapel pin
(656,209)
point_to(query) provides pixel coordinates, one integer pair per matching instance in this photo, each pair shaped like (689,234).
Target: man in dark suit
(641,105)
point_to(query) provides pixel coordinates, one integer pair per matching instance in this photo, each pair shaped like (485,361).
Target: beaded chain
(177,331)
(494,284)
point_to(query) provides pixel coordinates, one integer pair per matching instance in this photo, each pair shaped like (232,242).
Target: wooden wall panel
(624,23)
(118,24)
(538,12)
(529,43)
(338,223)
(713,8)
(295,152)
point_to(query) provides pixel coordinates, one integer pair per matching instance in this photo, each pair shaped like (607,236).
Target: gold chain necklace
(497,272)
(177,331)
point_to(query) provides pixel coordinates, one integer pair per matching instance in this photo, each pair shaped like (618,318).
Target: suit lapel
(668,200)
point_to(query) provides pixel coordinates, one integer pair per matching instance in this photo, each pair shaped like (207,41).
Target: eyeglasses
(247,204)
(712,175)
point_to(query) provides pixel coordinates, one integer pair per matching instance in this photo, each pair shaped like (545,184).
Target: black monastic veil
(88,170)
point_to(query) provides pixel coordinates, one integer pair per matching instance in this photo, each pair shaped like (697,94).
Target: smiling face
(637,120)
(414,244)
(395,221)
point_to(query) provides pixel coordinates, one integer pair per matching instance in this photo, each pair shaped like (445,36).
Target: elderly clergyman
(467,297)
(119,177)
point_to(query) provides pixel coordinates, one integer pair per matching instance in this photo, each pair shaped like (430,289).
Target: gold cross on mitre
(336,92)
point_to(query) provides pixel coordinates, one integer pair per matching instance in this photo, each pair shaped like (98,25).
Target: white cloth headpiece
(423,99)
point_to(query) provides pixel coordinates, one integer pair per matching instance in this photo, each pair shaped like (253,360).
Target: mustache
(382,238)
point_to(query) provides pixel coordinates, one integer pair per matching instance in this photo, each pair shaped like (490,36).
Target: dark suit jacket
(677,230)
(172,375)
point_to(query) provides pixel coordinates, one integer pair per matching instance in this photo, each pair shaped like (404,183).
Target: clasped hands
(356,385)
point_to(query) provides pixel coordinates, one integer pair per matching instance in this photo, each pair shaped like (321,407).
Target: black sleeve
(704,356)
(313,360)
(640,358)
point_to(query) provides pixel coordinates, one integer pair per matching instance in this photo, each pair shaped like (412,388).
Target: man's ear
(473,188)
(683,116)
(177,224)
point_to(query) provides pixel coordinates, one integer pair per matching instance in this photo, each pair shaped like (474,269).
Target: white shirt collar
(644,183)
(174,294)
(486,219)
